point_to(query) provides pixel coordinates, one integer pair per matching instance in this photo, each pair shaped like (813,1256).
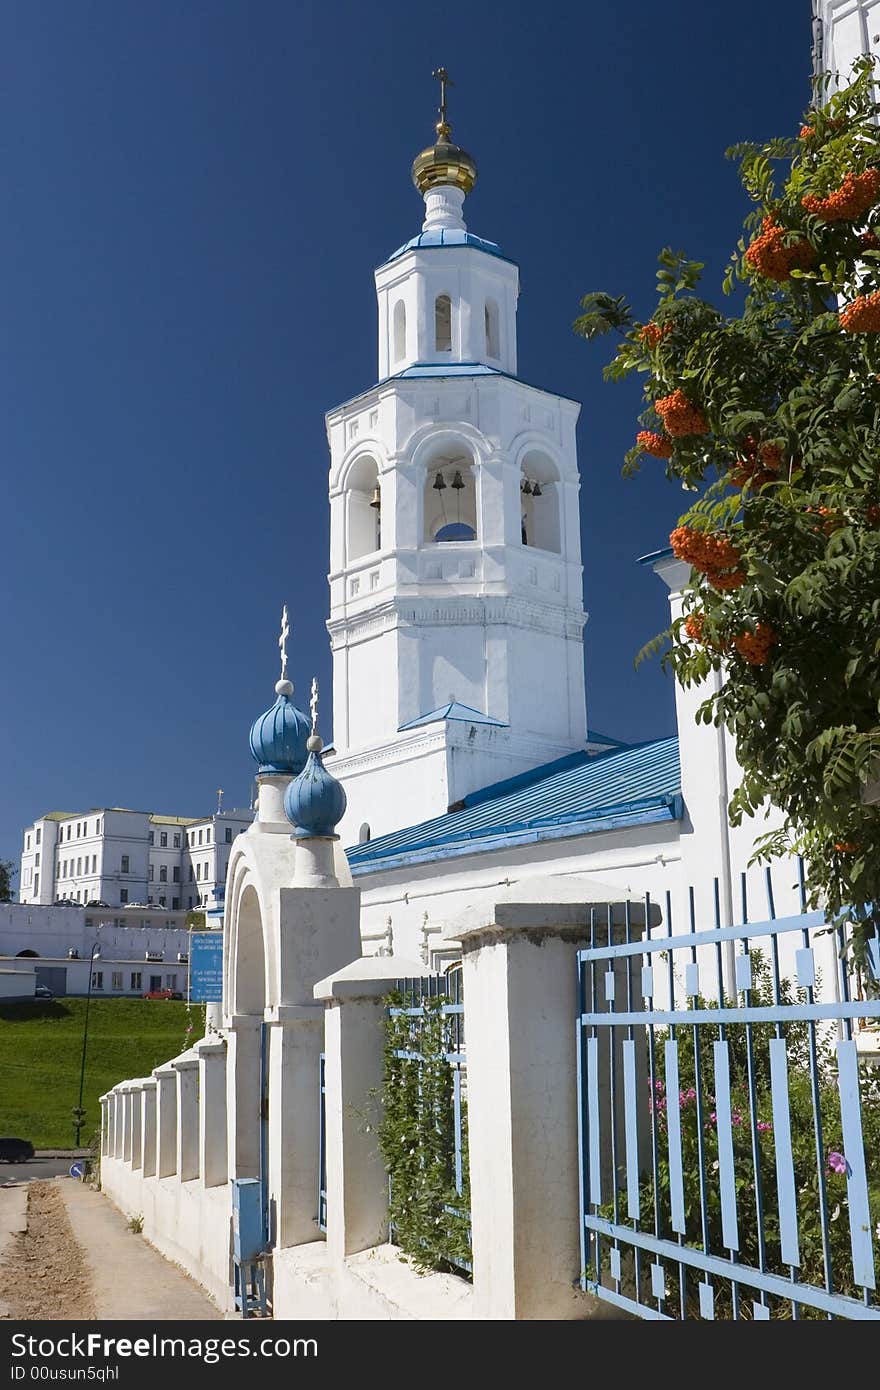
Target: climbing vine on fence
(430,1219)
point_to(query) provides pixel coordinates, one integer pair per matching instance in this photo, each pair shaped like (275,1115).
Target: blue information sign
(206,967)
(77,1170)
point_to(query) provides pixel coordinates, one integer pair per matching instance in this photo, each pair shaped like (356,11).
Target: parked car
(162,994)
(15,1150)
(43,992)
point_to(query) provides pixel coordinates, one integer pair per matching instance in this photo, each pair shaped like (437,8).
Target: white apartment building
(114,857)
(135,949)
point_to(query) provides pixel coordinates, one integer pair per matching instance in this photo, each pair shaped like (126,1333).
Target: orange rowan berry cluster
(755,646)
(680,416)
(851,200)
(846,846)
(715,556)
(693,626)
(759,464)
(806,132)
(650,442)
(863,315)
(653,333)
(772,257)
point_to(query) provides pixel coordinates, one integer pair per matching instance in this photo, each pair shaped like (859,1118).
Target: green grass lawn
(41,1051)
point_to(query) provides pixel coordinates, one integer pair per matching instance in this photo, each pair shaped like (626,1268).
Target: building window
(191,874)
(199,872)
(229,834)
(443,323)
(399,331)
(27,843)
(163,840)
(363,834)
(175,904)
(175,874)
(208,835)
(69,830)
(97,827)
(124,865)
(39,834)
(57,869)
(37,860)
(189,838)
(161,900)
(177,840)
(163,873)
(94,863)
(171,982)
(493,348)
(97,979)
(116,979)
(36,883)
(135,979)
(150,873)
(200,836)
(79,866)
(151,837)
(78,830)
(123,896)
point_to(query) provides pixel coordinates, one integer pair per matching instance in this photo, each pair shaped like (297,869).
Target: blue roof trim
(655,555)
(456,712)
(668,809)
(449,236)
(451,369)
(578,793)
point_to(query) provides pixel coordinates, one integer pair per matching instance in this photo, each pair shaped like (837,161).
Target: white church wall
(849,29)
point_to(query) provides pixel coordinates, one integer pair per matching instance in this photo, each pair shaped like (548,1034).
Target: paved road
(37,1167)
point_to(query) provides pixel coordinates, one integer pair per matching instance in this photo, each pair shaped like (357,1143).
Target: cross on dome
(313,705)
(443,127)
(282,641)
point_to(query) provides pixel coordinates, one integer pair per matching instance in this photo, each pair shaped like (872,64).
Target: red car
(162,994)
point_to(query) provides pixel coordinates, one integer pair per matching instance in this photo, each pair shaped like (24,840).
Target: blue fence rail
(416,994)
(729,1136)
(322,1146)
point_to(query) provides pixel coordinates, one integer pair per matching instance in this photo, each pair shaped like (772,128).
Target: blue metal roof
(454,711)
(577,794)
(448,369)
(649,559)
(448,236)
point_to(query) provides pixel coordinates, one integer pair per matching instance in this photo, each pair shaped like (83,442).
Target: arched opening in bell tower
(539,503)
(491,324)
(443,323)
(363,503)
(450,500)
(399,331)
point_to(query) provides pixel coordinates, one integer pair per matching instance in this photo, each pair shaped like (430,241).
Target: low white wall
(187,1222)
(374,1285)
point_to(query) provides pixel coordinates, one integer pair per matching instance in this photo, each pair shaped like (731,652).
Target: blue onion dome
(314,802)
(278,738)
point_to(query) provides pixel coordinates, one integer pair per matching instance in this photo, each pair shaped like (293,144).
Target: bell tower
(456,613)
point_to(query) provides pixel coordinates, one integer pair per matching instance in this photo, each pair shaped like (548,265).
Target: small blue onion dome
(278,738)
(314,802)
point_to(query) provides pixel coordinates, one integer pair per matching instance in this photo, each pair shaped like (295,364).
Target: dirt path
(43,1272)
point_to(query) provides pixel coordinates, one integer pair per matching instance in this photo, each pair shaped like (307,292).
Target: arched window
(443,323)
(450,500)
(493,342)
(539,503)
(399,331)
(364,834)
(363,502)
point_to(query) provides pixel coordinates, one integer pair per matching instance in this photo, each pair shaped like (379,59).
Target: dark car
(43,992)
(16,1150)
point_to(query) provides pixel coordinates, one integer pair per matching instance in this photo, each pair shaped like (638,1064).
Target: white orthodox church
(456,600)
(465,813)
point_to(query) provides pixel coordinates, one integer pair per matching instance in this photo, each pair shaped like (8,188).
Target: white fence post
(212,1111)
(520,993)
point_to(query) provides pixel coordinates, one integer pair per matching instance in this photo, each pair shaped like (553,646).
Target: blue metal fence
(322,1146)
(416,992)
(730,1137)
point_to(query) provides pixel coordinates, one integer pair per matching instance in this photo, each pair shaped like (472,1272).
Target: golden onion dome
(444,163)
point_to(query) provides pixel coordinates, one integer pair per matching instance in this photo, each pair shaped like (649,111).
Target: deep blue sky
(194,196)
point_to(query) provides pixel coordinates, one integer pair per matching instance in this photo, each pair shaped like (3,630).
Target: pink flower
(712,1117)
(763,1126)
(737,1118)
(836,1162)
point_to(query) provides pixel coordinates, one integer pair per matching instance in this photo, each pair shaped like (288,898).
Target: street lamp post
(78,1113)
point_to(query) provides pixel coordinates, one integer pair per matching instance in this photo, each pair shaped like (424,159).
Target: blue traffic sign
(77,1170)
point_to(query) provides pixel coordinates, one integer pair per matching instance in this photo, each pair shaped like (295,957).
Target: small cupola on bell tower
(459,306)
